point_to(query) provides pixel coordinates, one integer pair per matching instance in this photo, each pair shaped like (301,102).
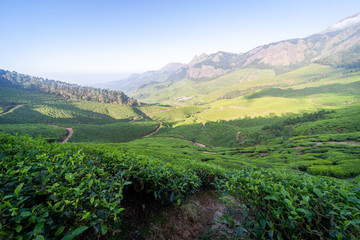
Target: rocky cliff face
(213,65)
(339,37)
(205,71)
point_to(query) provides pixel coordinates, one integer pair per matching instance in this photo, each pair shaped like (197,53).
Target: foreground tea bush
(54,191)
(284,205)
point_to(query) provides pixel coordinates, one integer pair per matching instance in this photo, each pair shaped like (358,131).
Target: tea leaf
(79,230)
(60,231)
(18,189)
(38,228)
(103,229)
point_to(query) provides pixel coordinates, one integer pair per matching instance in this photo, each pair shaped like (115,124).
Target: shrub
(55,191)
(285,205)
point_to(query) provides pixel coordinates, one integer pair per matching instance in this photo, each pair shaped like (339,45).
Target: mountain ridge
(326,47)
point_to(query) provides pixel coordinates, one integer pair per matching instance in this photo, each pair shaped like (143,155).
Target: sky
(95,41)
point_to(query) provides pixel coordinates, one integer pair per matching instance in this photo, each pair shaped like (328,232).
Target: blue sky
(93,41)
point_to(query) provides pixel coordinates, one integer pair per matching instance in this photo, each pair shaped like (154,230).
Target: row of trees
(70,91)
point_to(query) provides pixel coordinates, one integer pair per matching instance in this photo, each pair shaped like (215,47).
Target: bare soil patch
(66,137)
(209,152)
(12,109)
(197,218)
(352,143)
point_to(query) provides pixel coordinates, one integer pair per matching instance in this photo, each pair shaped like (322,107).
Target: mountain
(136,80)
(213,65)
(345,23)
(293,53)
(70,91)
(336,46)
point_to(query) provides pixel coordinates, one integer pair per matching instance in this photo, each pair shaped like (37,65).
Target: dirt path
(136,119)
(199,144)
(12,108)
(161,111)
(180,135)
(153,132)
(352,143)
(209,152)
(183,139)
(66,137)
(318,104)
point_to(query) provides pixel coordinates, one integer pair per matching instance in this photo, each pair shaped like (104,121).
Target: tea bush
(285,205)
(63,191)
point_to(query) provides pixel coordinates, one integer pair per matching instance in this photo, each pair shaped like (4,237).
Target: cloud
(347,22)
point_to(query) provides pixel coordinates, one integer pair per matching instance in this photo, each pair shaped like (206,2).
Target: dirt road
(12,108)
(66,137)
(153,132)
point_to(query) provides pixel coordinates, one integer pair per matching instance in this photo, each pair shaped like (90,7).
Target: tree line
(67,90)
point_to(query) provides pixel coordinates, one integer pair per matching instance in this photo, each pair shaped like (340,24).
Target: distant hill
(134,81)
(337,46)
(70,91)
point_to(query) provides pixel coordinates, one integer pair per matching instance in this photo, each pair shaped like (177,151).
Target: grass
(244,80)
(242,108)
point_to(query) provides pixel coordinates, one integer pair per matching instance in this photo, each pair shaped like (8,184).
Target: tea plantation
(55,191)
(280,160)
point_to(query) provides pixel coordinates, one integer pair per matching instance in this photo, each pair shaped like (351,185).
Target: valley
(259,145)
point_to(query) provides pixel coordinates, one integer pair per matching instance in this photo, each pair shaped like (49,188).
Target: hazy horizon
(89,42)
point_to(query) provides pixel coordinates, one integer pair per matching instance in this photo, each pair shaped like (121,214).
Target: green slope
(30,112)
(258,149)
(246,81)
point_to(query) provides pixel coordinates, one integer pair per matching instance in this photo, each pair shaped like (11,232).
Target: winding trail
(153,132)
(161,110)
(351,143)
(12,108)
(318,104)
(199,144)
(136,119)
(194,143)
(210,152)
(66,137)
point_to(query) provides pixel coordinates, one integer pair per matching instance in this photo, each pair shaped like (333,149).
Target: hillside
(335,46)
(192,159)
(260,145)
(33,112)
(135,81)
(131,185)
